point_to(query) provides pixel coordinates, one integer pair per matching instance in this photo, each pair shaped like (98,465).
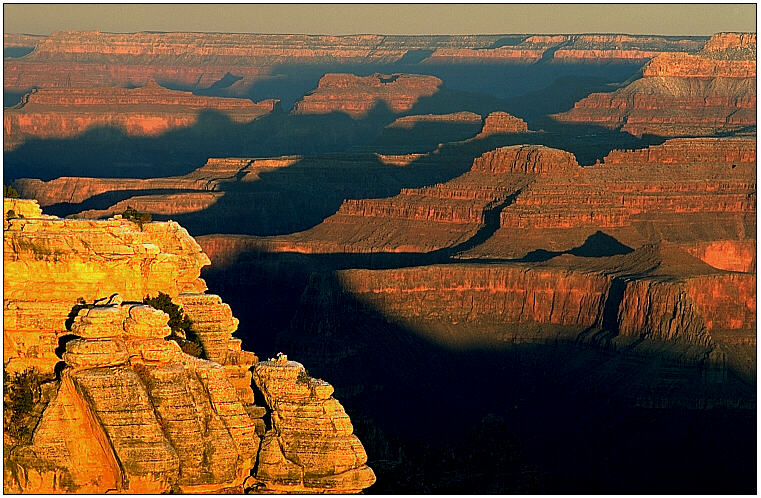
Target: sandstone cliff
(502,122)
(146,111)
(681,94)
(192,424)
(357,95)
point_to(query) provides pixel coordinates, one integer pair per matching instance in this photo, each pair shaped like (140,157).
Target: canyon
(500,250)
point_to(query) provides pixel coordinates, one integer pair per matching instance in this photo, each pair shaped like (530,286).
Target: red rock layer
(150,110)
(502,122)
(409,122)
(357,95)
(527,159)
(511,300)
(638,196)
(721,42)
(681,94)
(732,255)
(21,40)
(208,177)
(681,151)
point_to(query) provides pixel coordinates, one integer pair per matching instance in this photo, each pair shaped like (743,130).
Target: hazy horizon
(385,19)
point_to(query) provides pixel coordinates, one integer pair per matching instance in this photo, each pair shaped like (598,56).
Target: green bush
(132,214)
(180,324)
(10,192)
(10,214)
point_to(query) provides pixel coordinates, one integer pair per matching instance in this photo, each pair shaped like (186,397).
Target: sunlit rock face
(310,447)
(682,94)
(146,111)
(124,409)
(133,413)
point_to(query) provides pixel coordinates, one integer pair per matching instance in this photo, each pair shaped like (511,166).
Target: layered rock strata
(146,111)
(310,447)
(133,413)
(685,191)
(409,122)
(199,60)
(358,95)
(681,94)
(129,411)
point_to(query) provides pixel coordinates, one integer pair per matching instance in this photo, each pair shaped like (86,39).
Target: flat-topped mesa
(409,122)
(527,159)
(310,447)
(188,428)
(146,111)
(358,95)
(209,177)
(502,122)
(731,45)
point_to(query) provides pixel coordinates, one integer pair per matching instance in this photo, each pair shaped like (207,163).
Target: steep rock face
(357,95)
(732,255)
(681,94)
(146,111)
(187,428)
(310,447)
(502,122)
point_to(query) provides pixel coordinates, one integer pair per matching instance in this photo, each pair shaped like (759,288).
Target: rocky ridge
(146,111)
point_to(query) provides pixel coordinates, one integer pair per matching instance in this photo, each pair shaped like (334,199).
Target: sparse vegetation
(10,214)
(10,192)
(179,322)
(21,393)
(132,214)
(303,377)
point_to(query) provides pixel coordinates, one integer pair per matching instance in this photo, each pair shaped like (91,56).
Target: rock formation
(358,95)
(310,447)
(409,122)
(146,111)
(681,94)
(128,410)
(502,122)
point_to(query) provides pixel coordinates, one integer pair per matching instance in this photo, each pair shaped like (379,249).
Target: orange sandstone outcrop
(311,446)
(133,413)
(681,94)
(146,111)
(357,95)
(129,411)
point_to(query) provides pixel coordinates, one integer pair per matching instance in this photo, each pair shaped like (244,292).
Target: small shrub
(21,393)
(132,214)
(10,192)
(303,377)
(10,214)
(180,324)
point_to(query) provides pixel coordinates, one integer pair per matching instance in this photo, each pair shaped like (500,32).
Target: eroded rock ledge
(125,409)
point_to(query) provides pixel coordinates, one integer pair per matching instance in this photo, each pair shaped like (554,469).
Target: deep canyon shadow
(574,417)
